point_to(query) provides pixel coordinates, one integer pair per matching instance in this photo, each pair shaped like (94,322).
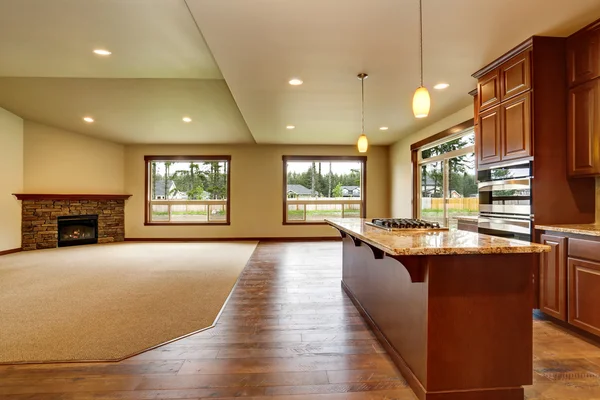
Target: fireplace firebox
(77,229)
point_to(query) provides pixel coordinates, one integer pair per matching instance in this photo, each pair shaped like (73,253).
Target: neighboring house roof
(351,191)
(159,187)
(298,189)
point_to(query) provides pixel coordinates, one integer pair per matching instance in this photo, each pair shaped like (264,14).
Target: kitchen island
(453,309)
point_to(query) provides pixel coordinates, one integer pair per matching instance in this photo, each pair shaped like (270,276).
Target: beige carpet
(106,302)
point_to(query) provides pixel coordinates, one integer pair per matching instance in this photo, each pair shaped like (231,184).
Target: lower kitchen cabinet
(553,277)
(584,294)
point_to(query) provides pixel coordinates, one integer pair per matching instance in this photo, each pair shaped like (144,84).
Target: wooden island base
(459,327)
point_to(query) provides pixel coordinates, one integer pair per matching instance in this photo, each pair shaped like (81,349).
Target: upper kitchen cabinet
(516,127)
(583,146)
(583,55)
(488,89)
(524,85)
(515,76)
(583,77)
(523,117)
(504,113)
(488,137)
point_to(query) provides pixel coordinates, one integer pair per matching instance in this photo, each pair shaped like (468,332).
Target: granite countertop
(581,229)
(468,217)
(452,242)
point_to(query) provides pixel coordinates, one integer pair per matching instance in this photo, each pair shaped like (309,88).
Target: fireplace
(74,230)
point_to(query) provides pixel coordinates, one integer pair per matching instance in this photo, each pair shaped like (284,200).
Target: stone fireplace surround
(40,212)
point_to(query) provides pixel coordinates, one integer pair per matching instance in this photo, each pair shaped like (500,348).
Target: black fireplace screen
(77,229)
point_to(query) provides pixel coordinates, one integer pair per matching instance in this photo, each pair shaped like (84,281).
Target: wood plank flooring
(287,332)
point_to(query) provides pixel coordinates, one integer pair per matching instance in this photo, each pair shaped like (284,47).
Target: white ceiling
(258,46)
(148,39)
(130,110)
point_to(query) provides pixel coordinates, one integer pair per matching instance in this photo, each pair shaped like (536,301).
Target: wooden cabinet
(467,225)
(584,292)
(503,109)
(488,90)
(504,131)
(553,277)
(515,76)
(583,52)
(516,127)
(583,145)
(489,137)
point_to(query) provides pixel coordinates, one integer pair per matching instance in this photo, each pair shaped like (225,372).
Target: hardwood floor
(287,332)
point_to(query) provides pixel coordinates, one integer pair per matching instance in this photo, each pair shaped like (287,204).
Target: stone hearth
(40,223)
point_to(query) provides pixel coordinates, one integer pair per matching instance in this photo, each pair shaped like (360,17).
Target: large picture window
(446,179)
(187,190)
(316,188)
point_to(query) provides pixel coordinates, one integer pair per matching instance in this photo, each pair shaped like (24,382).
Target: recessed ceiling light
(102,52)
(441,86)
(290,127)
(88,119)
(384,128)
(296,82)
(186,119)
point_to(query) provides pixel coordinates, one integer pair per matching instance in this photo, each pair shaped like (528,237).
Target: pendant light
(421,100)
(363,142)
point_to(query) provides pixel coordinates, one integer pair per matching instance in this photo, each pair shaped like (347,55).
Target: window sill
(305,223)
(187,223)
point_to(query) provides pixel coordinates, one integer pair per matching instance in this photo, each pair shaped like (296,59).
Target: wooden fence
(467,203)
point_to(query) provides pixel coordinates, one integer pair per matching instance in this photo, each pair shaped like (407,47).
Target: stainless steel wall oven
(505,207)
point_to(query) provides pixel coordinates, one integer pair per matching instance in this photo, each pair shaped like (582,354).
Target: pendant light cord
(421,36)
(362,104)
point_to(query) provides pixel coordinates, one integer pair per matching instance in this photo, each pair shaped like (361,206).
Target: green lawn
(186,213)
(433,212)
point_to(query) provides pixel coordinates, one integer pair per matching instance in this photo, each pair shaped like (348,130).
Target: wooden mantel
(70,196)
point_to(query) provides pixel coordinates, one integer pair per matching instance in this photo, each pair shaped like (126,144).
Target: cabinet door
(516,127)
(583,51)
(553,277)
(488,137)
(488,90)
(515,76)
(584,295)
(583,145)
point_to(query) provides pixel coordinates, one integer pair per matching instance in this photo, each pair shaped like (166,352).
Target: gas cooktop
(405,224)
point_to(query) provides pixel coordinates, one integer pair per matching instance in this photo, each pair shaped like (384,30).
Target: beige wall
(401,166)
(256,190)
(58,161)
(11,165)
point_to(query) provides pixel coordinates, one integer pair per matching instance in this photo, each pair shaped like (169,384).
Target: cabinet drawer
(582,248)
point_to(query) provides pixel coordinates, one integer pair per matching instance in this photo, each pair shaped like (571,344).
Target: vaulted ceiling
(226,64)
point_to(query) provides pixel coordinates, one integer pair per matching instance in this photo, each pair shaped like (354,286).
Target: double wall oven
(505,207)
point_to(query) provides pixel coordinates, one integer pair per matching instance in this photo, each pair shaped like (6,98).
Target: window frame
(441,137)
(149,159)
(363,187)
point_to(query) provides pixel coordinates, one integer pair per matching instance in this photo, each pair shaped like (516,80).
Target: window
(316,188)
(446,179)
(187,190)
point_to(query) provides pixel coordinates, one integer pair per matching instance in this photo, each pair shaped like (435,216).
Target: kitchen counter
(579,229)
(451,308)
(452,242)
(467,217)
